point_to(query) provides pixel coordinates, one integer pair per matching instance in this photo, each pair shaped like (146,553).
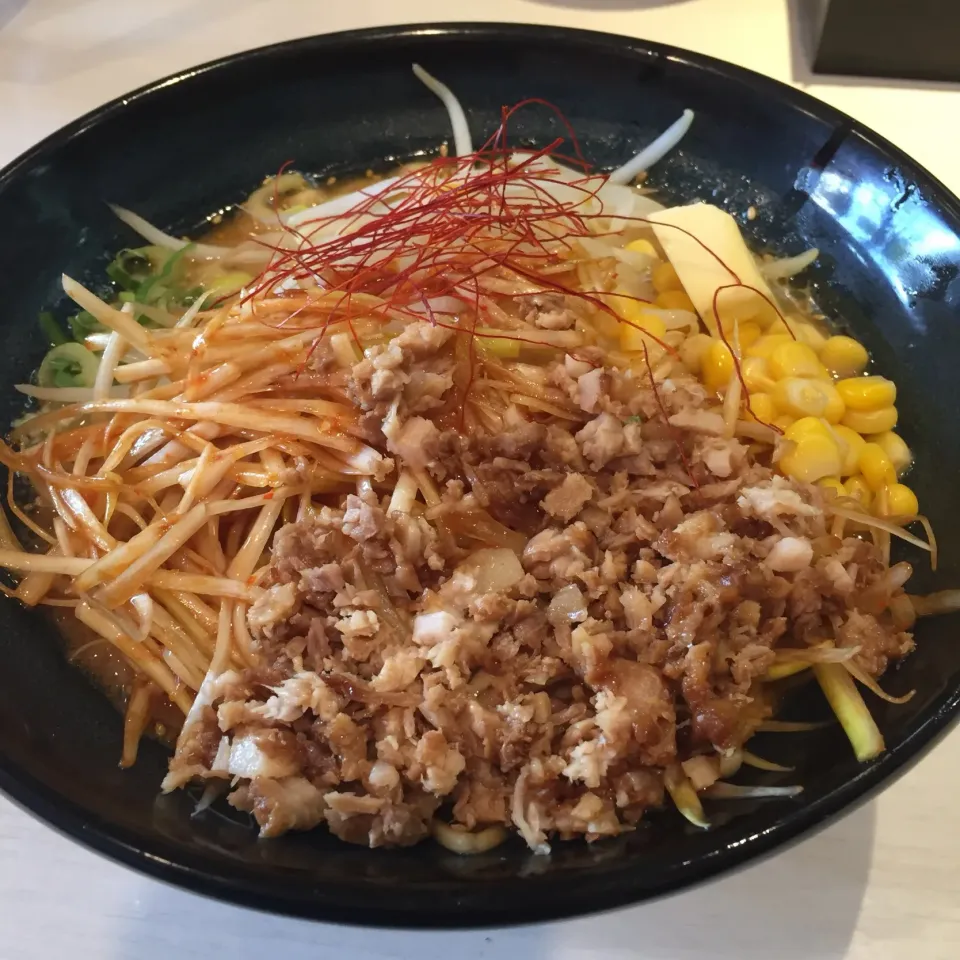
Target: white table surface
(881,884)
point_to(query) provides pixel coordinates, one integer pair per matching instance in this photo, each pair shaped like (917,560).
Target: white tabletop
(881,884)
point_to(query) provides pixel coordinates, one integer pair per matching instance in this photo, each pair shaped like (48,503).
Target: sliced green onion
(224,286)
(752,760)
(153,288)
(68,365)
(52,330)
(845,701)
(784,669)
(684,796)
(863,677)
(130,268)
(507,347)
(82,324)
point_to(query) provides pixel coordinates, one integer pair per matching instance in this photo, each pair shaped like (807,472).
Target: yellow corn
(806,427)
(693,349)
(642,246)
(867,393)
(626,306)
(808,398)
(808,334)
(899,501)
(748,333)
(858,489)
(875,466)
(640,328)
(894,447)
(851,443)
(767,344)
(794,359)
(833,484)
(664,277)
(761,407)
(811,459)
(675,300)
(871,421)
(784,421)
(835,409)
(756,374)
(843,356)
(717,365)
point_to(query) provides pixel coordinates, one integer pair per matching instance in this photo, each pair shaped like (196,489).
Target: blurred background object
(912,39)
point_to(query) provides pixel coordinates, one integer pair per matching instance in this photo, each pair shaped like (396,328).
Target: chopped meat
(272,607)
(362,517)
(590,389)
(281,805)
(254,755)
(601,440)
(416,442)
(581,603)
(567,500)
(790,555)
(699,421)
(549,311)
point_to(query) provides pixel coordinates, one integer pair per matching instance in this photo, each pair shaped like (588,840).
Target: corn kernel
(784,421)
(898,501)
(843,356)
(806,427)
(794,359)
(748,333)
(767,344)
(867,393)
(875,466)
(664,277)
(808,334)
(693,349)
(675,300)
(607,324)
(851,443)
(834,484)
(643,328)
(835,409)
(808,398)
(761,407)
(894,447)
(812,458)
(871,421)
(756,374)
(858,489)
(632,310)
(642,246)
(717,366)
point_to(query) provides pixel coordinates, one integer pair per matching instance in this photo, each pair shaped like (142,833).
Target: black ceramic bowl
(890,241)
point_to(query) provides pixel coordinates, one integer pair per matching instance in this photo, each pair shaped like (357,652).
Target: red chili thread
(444,216)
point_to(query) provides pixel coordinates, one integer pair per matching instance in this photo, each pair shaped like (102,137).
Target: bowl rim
(453,909)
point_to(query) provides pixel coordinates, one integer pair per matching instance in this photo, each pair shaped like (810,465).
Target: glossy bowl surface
(889,236)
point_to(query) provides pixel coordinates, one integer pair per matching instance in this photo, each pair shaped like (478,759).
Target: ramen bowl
(795,172)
